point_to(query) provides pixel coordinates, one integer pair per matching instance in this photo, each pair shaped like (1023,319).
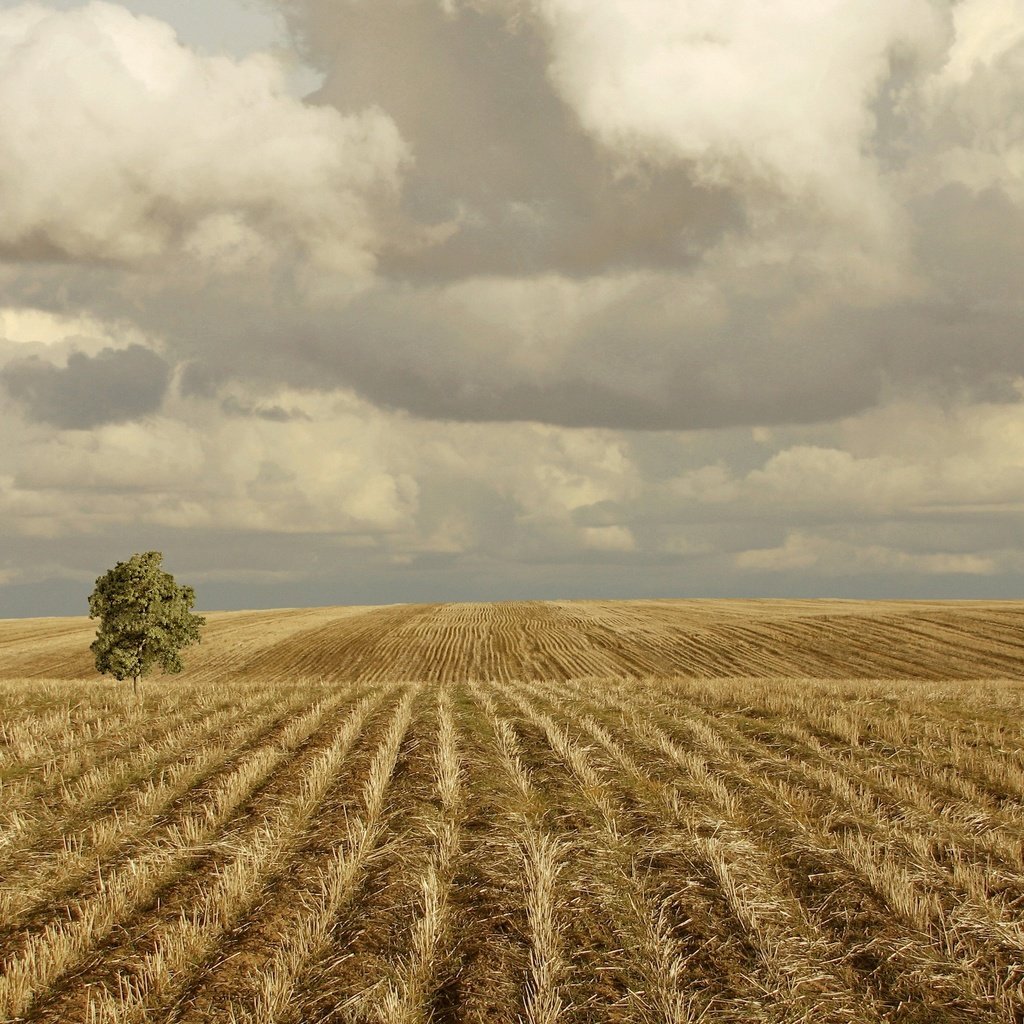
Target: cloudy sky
(349,301)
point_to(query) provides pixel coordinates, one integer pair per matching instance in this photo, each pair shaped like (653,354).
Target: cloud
(532,254)
(274,413)
(644,351)
(978,85)
(336,466)
(779,93)
(802,552)
(505,180)
(660,295)
(118,143)
(905,462)
(114,386)
(608,538)
(658,215)
(353,485)
(26,327)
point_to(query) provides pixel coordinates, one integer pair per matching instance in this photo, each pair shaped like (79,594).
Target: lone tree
(145,619)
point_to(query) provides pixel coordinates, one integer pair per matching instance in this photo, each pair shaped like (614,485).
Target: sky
(371,301)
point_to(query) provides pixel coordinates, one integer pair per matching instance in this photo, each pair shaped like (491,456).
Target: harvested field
(542,812)
(539,640)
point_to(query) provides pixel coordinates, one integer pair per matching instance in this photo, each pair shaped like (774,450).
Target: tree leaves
(145,618)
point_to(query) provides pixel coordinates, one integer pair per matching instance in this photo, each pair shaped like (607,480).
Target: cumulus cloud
(973,99)
(352,484)
(774,254)
(781,93)
(118,143)
(505,180)
(336,465)
(830,557)
(663,215)
(39,327)
(903,462)
(556,294)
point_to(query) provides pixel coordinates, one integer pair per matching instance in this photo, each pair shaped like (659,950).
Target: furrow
(181,947)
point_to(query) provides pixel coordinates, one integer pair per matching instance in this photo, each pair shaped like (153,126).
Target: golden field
(670,811)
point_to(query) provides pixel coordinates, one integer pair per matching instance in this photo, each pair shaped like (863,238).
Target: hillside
(535,640)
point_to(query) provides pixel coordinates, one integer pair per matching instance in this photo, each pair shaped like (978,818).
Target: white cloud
(902,458)
(829,557)
(778,93)
(814,476)
(873,503)
(334,464)
(984,32)
(161,457)
(118,143)
(38,327)
(972,104)
(559,471)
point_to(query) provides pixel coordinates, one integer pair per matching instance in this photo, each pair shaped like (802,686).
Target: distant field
(545,812)
(540,640)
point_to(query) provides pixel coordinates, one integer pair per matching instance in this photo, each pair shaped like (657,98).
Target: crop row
(588,850)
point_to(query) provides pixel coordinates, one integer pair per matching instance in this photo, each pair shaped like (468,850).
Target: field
(638,812)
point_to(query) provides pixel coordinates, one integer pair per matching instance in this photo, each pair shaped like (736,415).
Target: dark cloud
(498,155)
(780,329)
(196,380)
(638,362)
(274,413)
(972,243)
(515,229)
(114,386)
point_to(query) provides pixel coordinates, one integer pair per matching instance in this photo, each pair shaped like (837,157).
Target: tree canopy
(145,619)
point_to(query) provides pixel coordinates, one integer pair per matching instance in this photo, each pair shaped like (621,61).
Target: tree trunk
(135,684)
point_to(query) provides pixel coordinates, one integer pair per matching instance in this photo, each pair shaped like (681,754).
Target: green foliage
(145,618)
